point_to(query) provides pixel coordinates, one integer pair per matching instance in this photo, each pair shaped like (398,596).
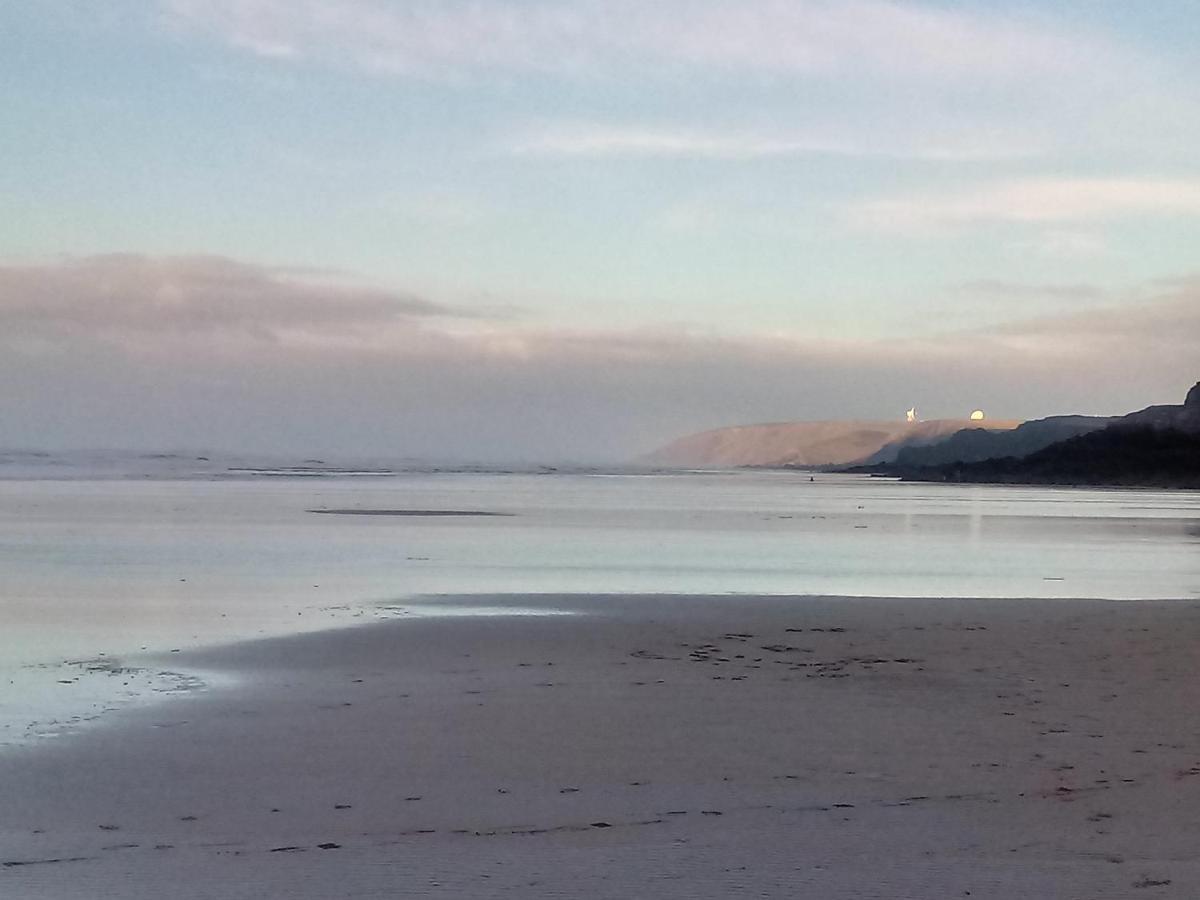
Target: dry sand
(661,747)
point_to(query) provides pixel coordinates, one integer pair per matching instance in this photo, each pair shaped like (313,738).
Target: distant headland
(1158,446)
(810,444)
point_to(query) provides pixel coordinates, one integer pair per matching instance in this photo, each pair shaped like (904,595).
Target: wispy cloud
(451,38)
(101,349)
(1163,325)
(1034,201)
(192,297)
(885,79)
(598,140)
(1017,291)
(1063,244)
(601,140)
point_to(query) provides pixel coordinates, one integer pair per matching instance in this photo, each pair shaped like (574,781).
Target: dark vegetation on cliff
(1155,447)
(1118,456)
(977,444)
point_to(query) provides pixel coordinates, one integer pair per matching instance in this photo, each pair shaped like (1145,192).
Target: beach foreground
(656,746)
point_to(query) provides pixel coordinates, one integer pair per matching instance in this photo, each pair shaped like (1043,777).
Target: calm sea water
(96,572)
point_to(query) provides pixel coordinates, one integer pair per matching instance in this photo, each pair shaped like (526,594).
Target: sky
(573,230)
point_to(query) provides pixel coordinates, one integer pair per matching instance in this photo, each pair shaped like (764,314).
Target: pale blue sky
(822,174)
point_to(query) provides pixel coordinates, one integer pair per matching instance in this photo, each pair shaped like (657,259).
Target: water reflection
(118,567)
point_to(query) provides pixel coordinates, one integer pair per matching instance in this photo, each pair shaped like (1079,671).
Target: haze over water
(102,570)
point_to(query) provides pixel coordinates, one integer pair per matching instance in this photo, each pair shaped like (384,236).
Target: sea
(110,563)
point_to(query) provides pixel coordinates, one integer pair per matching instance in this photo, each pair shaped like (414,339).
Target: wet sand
(674,747)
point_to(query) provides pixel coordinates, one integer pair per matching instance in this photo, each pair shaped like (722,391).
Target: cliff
(1117,456)
(1155,447)
(974,444)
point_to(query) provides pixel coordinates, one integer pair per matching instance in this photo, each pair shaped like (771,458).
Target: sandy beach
(657,746)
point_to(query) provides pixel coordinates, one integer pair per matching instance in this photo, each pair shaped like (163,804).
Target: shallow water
(99,571)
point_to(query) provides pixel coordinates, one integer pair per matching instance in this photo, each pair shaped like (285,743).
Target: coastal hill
(1182,418)
(809,444)
(976,445)
(1155,447)
(1118,456)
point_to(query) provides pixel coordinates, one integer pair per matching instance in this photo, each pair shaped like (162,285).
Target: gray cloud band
(138,351)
